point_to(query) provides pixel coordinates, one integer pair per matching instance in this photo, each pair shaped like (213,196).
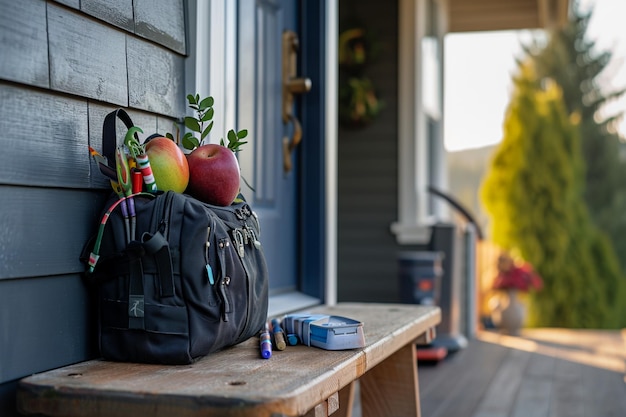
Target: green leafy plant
(205,112)
(202,123)
(234,139)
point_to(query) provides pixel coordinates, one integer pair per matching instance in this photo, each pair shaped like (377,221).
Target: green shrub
(534,194)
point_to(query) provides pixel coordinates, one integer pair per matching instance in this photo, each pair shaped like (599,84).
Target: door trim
(330,135)
(319,34)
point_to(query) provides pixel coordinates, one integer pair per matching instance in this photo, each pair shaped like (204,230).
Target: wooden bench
(297,381)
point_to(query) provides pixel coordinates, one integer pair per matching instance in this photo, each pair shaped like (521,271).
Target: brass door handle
(291,85)
(298,85)
(290,145)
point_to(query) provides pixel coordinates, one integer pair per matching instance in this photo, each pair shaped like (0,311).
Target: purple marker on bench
(266,343)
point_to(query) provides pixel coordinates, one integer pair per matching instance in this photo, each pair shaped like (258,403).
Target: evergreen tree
(569,58)
(533,192)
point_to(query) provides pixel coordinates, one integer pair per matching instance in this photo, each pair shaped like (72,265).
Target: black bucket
(419,277)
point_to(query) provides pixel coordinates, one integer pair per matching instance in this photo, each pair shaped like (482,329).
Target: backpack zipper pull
(223,284)
(239,240)
(225,279)
(255,241)
(207,245)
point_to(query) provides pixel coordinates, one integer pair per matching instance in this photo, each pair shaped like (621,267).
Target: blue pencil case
(325,331)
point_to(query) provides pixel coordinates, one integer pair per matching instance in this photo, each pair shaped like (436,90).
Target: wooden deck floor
(542,373)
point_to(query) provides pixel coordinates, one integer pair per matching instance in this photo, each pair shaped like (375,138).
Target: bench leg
(390,389)
(326,408)
(346,401)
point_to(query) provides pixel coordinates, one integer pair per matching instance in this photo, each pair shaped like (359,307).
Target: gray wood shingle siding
(81,63)
(24,42)
(63,66)
(163,90)
(115,12)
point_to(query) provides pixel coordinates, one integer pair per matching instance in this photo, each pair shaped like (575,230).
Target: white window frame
(414,220)
(212,56)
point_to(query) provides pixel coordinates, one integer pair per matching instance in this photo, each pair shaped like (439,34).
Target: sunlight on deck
(598,348)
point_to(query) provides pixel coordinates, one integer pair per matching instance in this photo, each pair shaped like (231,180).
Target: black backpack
(191,279)
(194,281)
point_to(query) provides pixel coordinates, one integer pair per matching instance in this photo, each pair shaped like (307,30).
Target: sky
(479,66)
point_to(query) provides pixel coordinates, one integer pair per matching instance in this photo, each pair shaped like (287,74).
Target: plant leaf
(206,103)
(207,116)
(190,141)
(192,124)
(191,99)
(232,136)
(242,133)
(206,131)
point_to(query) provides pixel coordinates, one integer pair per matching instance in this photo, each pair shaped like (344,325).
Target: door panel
(275,195)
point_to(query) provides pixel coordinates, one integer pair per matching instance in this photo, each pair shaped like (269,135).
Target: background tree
(533,192)
(570,58)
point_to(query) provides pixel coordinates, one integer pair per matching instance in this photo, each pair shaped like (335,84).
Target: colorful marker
(279,335)
(138,151)
(266,343)
(137,181)
(292,339)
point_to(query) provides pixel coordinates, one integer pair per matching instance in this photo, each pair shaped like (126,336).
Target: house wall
(64,65)
(368,170)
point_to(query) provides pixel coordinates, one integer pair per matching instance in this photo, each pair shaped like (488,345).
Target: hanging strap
(158,246)
(109,133)
(129,262)
(136,296)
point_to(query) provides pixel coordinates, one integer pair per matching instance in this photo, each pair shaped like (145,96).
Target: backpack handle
(109,133)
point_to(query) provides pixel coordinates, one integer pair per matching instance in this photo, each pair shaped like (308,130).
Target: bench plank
(236,381)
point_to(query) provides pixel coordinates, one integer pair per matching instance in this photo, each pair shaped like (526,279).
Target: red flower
(521,278)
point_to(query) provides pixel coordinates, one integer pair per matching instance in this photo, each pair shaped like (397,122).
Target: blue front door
(261,25)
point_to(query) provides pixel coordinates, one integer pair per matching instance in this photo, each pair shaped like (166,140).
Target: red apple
(213,174)
(169,164)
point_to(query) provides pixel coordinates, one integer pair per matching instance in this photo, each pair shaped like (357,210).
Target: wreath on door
(359,104)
